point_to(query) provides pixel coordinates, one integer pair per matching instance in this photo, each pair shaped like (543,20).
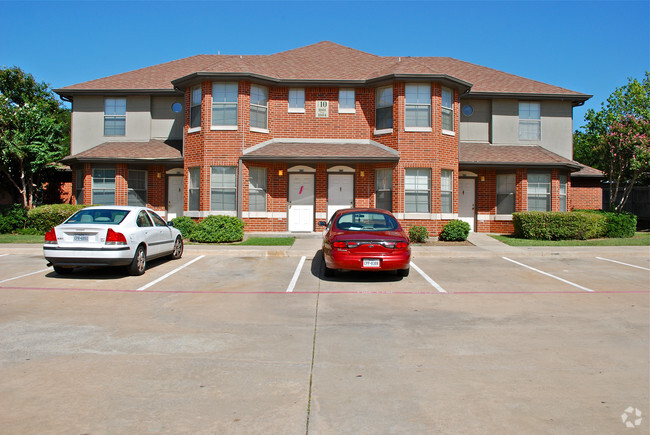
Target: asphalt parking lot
(485,339)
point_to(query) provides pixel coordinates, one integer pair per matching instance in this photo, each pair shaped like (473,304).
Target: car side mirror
(170,224)
(322,223)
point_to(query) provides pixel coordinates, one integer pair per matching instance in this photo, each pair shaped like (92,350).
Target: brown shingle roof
(320,150)
(154,150)
(484,154)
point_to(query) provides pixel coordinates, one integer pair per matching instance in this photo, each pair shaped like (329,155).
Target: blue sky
(587,46)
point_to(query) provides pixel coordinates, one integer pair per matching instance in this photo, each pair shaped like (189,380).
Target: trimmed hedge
(455,231)
(43,218)
(12,218)
(619,225)
(418,234)
(554,225)
(185,225)
(218,229)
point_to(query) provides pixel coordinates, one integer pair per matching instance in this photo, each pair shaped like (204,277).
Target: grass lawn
(639,239)
(21,238)
(268,241)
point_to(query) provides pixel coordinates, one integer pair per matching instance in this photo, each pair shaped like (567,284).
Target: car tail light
(340,245)
(115,238)
(401,245)
(50,237)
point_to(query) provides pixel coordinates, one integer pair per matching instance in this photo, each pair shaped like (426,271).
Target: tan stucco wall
(476,128)
(164,122)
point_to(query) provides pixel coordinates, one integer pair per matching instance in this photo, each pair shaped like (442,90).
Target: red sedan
(365,239)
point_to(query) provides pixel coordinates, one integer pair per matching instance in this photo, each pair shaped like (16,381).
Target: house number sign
(322,109)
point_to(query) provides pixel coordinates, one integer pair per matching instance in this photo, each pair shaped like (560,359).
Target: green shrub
(551,225)
(43,218)
(455,230)
(218,229)
(12,218)
(185,225)
(418,234)
(620,225)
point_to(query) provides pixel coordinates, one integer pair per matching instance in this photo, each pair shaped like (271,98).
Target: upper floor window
(259,107)
(530,121)
(506,184)
(137,187)
(346,100)
(224,104)
(195,107)
(563,192)
(539,191)
(297,100)
(447,109)
(417,191)
(446,191)
(418,105)
(114,116)
(384,108)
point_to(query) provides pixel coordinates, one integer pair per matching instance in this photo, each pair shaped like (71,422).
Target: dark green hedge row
(580,225)
(218,229)
(44,217)
(619,225)
(12,218)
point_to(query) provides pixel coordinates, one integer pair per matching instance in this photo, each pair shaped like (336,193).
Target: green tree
(34,133)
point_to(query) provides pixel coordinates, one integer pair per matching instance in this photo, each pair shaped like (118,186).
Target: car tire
(139,262)
(403,272)
(177,252)
(63,270)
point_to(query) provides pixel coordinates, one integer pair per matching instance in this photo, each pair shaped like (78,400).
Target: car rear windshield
(366,221)
(98,216)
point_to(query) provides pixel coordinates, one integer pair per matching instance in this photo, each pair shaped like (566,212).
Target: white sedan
(111,236)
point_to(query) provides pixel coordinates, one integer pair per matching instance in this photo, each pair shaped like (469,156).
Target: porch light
(482,177)
(280,172)
(362,174)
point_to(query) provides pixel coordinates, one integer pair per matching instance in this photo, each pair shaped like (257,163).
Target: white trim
(423,216)
(264,214)
(383,131)
(420,129)
(302,169)
(296,110)
(260,130)
(494,217)
(193,130)
(321,215)
(449,132)
(448,216)
(347,110)
(202,214)
(223,127)
(340,169)
(503,217)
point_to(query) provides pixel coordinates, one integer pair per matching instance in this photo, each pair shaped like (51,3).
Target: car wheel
(177,252)
(139,263)
(63,270)
(403,272)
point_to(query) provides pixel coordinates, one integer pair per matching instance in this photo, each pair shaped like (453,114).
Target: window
(418,105)
(224,104)
(257,189)
(259,107)
(530,121)
(137,187)
(384,189)
(446,191)
(447,109)
(346,100)
(297,100)
(143,219)
(384,108)
(195,107)
(79,185)
(539,191)
(506,193)
(223,188)
(114,116)
(157,220)
(103,190)
(563,192)
(417,191)
(194,188)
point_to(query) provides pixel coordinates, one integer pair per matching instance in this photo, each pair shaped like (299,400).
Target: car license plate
(80,237)
(370,262)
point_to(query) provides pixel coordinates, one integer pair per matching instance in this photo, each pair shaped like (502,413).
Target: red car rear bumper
(344,259)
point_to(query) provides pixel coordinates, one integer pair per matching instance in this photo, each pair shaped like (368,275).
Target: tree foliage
(615,139)
(34,133)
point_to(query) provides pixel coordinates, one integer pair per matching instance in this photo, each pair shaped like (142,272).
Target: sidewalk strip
(428,279)
(156,281)
(22,276)
(296,274)
(549,275)
(624,264)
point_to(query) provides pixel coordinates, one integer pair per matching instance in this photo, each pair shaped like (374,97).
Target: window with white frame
(257,189)
(194,188)
(224,104)
(530,121)
(539,191)
(417,105)
(506,193)
(563,192)
(195,107)
(79,185)
(384,108)
(346,100)
(447,109)
(446,191)
(297,100)
(417,190)
(259,107)
(223,188)
(114,116)
(137,187)
(384,189)
(103,189)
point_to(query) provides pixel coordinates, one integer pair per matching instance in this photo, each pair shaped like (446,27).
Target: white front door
(301,202)
(174,197)
(467,201)
(340,192)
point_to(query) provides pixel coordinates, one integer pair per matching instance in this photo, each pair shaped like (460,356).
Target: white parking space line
(624,264)
(428,279)
(294,280)
(22,276)
(3,255)
(549,275)
(156,281)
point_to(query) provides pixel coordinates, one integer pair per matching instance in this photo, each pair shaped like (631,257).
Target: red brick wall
(586,194)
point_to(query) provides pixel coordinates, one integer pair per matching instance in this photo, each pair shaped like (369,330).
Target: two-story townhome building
(284,140)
